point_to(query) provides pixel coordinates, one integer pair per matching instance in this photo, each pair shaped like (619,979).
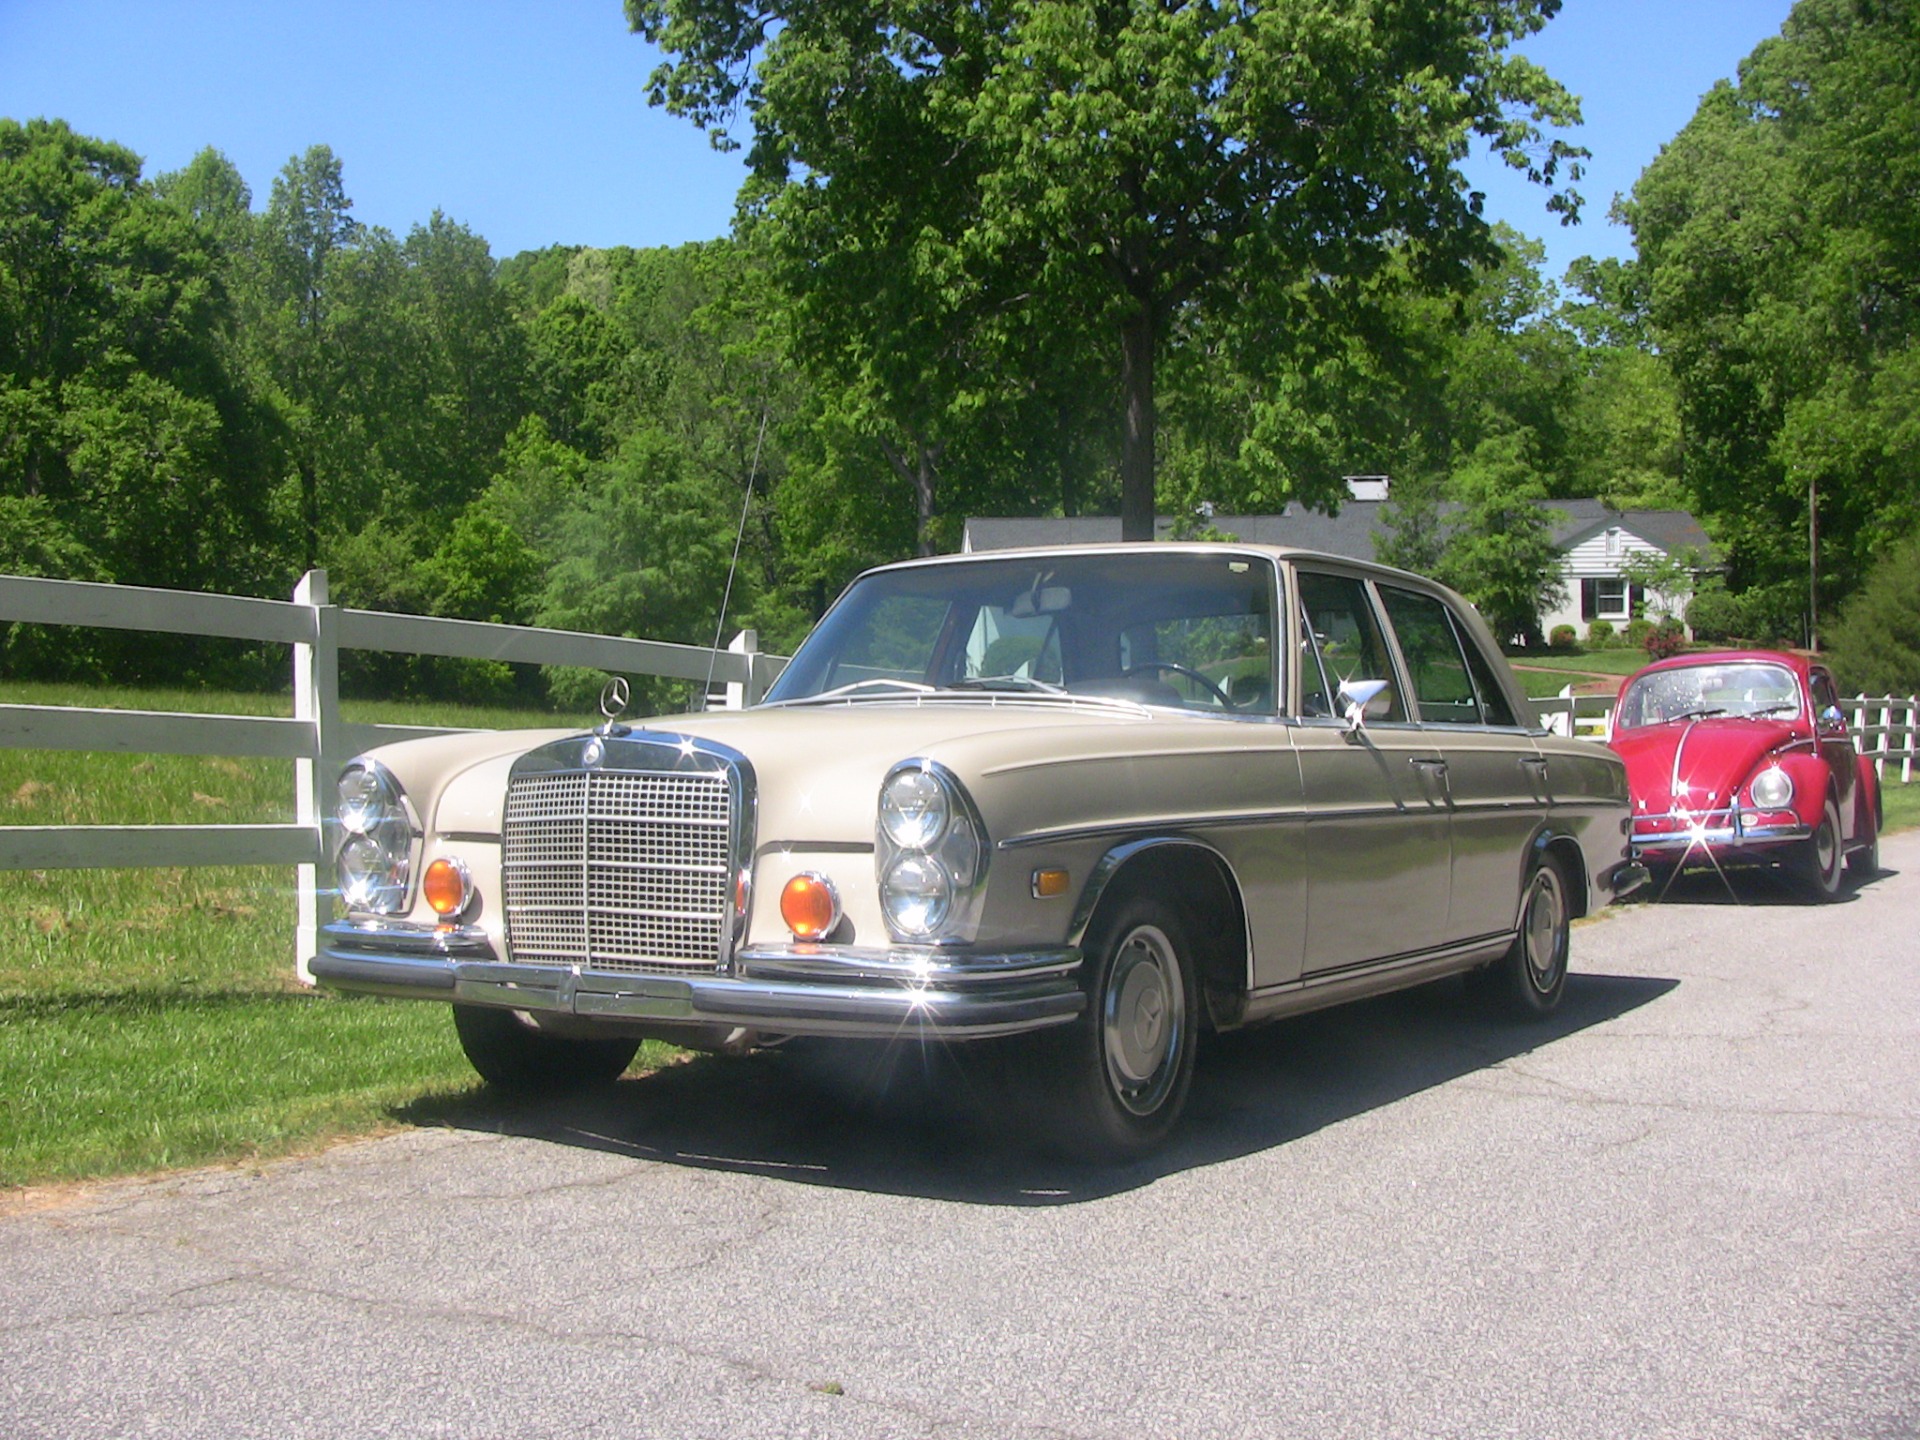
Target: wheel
(512,1055)
(1821,860)
(1122,1070)
(1863,864)
(1185,672)
(1532,976)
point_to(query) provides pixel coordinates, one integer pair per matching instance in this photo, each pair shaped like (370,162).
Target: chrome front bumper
(1719,830)
(783,990)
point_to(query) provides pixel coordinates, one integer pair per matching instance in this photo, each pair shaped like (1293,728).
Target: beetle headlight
(376,845)
(930,852)
(1772,789)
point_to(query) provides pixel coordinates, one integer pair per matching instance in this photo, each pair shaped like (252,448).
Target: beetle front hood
(1695,764)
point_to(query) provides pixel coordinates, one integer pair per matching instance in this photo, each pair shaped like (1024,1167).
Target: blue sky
(528,121)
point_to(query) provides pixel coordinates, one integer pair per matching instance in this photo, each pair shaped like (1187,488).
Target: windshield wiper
(1773,709)
(881,683)
(1020,684)
(1696,714)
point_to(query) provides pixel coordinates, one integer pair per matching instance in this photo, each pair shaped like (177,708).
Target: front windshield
(1739,688)
(1177,629)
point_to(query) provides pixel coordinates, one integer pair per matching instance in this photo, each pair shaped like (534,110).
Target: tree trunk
(1136,448)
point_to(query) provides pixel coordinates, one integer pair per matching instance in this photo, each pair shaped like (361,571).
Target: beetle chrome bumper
(1674,836)
(788,989)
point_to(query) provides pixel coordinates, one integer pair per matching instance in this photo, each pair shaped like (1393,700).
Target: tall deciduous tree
(1781,235)
(930,167)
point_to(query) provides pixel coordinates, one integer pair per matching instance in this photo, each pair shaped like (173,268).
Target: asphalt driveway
(1689,1206)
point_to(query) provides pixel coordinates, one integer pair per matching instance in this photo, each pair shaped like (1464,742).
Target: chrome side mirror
(1355,698)
(1832,717)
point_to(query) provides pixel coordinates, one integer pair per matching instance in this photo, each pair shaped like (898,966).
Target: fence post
(1906,758)
(739,696)
(316,699)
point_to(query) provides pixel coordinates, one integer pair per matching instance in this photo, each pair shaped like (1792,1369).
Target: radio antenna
(726,596)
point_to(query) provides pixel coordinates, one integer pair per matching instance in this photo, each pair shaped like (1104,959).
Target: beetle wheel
(1822,860)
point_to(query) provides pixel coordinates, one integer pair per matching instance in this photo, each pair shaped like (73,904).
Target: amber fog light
(447,886)
(810,906)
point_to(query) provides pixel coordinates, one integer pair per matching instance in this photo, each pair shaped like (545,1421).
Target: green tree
(1778,233)
(1875,644)
(932,170)
(1499,551)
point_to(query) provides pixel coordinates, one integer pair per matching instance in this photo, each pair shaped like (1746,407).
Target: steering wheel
(1185,672)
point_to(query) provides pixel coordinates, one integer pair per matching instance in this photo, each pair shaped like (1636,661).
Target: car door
(1494,773)
(1378,848)
(1835,740)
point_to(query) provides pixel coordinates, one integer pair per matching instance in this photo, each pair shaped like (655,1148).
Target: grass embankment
(151,1018)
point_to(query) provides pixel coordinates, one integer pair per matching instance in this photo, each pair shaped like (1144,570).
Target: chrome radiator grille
(618,870)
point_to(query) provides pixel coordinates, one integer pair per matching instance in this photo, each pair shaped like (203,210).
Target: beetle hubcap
(1144,1020)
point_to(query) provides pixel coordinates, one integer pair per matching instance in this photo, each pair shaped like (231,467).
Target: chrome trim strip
(1479,944)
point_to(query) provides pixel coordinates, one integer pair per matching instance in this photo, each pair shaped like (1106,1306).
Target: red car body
(1746,755)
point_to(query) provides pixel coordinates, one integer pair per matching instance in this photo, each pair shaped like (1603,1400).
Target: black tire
(1530,979)
(1864,863)
(1822,859)
(511,1055)
(1121,1072)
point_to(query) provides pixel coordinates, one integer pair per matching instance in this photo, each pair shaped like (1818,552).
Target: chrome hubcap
(1144,1020)
(1545,906)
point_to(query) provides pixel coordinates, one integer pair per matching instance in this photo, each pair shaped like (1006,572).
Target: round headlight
(376,853)
(366,797)
(913,809)
(917,893)
(1772,789)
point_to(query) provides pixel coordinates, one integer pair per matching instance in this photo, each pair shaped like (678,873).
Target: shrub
(1638,629)
(1713,614)
(1666,638)
(1600,634)
(1563,637)
(1875,644)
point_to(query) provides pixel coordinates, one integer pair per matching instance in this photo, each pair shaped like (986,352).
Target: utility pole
(1813,562)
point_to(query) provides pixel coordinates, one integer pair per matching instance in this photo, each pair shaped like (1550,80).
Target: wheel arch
(1197,880)
(1566,849)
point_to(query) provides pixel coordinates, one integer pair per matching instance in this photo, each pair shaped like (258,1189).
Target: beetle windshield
(1178,629)
(1745,688)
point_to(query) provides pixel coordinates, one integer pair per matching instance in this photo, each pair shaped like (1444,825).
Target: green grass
(151,1018)
(1901,803)
(1544,672)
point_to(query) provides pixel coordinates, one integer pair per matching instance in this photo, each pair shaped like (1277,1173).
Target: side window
(1825,697)
(1451,678)
(1340,640)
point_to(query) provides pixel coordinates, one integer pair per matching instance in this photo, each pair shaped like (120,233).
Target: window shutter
(1589,598)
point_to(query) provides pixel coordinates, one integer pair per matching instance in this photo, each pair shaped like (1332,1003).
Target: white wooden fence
(1885,727)
(316,738)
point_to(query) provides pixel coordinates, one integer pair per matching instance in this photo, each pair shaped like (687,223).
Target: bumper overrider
(777,990)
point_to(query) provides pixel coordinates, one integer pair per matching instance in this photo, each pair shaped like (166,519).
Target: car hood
(818,768)
(1695,764)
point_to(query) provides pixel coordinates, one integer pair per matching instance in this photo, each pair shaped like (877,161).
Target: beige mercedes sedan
(1080,803)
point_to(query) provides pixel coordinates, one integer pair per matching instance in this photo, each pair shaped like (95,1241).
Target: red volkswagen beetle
(1745,755)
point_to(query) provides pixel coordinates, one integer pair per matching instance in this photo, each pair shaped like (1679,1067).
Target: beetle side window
(1436,667)
(1340,640)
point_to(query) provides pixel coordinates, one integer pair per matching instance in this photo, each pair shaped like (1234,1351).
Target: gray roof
(1354,532)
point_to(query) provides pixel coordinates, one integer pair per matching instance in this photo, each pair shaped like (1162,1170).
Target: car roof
(1799,664)
(1279,554)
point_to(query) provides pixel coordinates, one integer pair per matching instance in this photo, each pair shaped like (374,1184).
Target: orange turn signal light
(810,906)
(1049,884)
(447,886)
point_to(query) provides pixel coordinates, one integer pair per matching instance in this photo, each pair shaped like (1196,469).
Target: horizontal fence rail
(317,739)
(1885,727)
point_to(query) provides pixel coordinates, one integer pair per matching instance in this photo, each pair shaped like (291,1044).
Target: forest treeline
(203,391)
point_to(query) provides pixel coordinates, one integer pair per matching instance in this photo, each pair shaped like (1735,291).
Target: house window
(1609,597)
